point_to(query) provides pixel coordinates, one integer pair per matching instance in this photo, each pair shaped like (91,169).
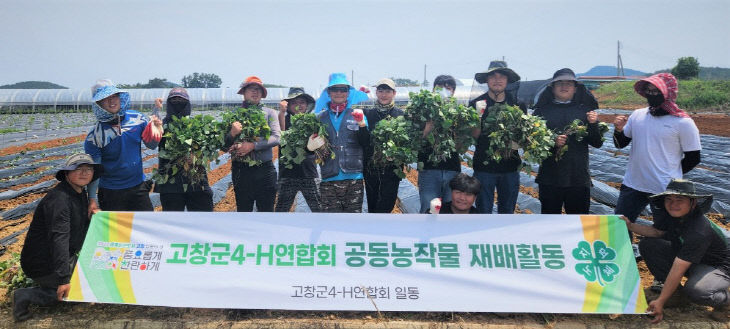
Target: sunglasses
(339,89)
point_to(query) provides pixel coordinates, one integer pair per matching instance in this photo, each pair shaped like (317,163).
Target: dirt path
(710,124)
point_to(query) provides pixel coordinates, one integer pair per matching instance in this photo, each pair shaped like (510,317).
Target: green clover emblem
(599,265)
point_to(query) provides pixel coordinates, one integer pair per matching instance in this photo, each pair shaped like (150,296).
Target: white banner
(408,262)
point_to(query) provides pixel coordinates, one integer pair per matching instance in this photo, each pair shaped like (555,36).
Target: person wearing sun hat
(564,180)
(115,143)
(502,176)
(665,143)
(254,184)
(55,235)
(341,188)
(683,242)
(381,183)
(180,195)
(302,177)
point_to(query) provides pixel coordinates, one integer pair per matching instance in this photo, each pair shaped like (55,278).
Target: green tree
(404,82)
(687,68)
(152,83)
(201,80)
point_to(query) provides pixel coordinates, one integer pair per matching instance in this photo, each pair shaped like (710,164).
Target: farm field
(28,160)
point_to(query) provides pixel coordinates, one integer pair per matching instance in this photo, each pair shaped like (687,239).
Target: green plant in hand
(254,128)
(191,143)
(12,276)
(508,125)
(294,140)
(393,145)
(579,131)
(452,124)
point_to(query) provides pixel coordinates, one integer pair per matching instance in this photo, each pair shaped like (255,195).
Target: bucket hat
(565,74)
(103,89)
(686,188)
(74,161)
(250,81)
(338,79)
(295,92)
(497,66)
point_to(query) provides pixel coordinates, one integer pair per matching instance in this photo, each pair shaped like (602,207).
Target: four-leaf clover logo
(599,266)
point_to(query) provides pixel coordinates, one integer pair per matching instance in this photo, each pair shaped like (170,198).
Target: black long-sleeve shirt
(56,233)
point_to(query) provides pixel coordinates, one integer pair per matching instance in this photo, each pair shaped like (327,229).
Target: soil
(708,123)
(692,316)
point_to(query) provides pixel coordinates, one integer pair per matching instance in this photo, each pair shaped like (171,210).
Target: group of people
(665,145)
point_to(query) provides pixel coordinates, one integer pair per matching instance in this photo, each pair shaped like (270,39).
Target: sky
(73,43)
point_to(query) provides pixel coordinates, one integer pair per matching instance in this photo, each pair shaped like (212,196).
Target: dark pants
(288,188)
(341,196)
(382,190)
(706,285)
(631,203)
(576,200)
(44,294)
(193,201)
(136,198)
(254,184)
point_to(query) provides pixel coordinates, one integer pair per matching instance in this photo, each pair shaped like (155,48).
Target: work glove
(314,142)
(481,106)
(436,205)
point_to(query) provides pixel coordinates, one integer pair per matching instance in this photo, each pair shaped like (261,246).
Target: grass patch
(9,130)
(694,95)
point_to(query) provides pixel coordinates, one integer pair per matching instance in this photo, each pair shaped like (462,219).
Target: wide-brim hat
(565,74)
(338,79)
(252,80)
(106,91)
(497,66)
(686,188)
(295,92)
(74,161)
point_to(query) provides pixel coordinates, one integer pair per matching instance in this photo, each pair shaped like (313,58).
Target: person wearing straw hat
(181,194)
(254,184)
(55,235)
(564,181)
(381,183)
(504,175)
(683,242)
(115,143)
(302,177)
(341,188)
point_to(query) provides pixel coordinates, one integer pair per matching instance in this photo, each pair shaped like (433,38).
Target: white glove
(436,205)
(481,106)
(315,142)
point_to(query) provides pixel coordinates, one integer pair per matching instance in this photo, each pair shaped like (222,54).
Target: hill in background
(605,70)
(33,85)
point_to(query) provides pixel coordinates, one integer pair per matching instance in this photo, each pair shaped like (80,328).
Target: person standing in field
(116,142)
(173,196)
(254,184)
(302,177)
(381,183)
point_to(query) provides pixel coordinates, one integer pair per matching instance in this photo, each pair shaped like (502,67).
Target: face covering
(655,100)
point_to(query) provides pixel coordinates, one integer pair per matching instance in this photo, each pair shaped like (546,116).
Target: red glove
(358,115)
(147,135)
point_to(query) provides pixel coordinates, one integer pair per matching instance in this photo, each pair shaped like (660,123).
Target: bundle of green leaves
(294,140)
(254,128)
(508,125)
(191,143)
(579,131)
(393,145)
(452,124)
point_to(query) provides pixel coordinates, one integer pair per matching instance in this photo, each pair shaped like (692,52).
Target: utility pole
(619,62)
(352,77)
(423,84)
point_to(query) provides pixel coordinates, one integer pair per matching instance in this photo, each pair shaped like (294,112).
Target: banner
(363,262)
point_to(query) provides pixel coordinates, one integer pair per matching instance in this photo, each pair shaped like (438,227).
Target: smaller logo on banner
(600,266)
(120,256)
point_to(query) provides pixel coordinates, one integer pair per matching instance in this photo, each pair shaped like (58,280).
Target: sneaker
(637,255)
(657,286)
